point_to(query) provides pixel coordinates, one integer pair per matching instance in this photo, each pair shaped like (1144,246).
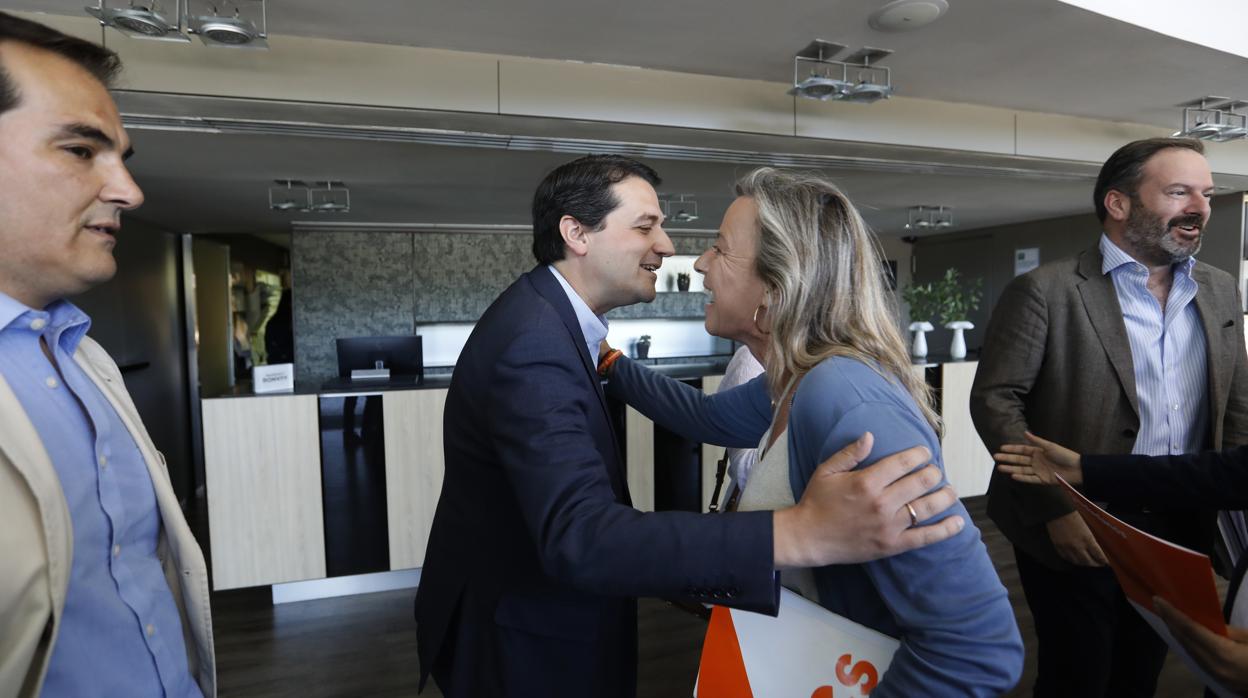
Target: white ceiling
(218,182)
(1039,55)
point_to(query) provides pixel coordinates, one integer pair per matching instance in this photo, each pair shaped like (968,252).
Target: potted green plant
(955,303)
(949,301)
(921,299)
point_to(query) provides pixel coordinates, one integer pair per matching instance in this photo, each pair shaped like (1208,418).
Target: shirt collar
(1113,257)
(64,323)
(10,310)
(594,327)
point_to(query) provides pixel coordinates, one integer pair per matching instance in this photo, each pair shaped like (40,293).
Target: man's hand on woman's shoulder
(850,516)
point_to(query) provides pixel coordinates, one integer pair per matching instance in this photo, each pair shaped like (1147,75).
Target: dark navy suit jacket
(1205,480)
(535,556)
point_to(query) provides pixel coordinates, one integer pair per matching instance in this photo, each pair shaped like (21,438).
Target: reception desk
(296,494)
(968,464)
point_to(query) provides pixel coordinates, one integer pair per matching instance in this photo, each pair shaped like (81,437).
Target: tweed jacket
(1057,361)
(36,541)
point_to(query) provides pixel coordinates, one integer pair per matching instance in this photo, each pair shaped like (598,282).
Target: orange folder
(1147,566)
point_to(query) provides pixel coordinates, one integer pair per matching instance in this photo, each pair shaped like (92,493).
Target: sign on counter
(274,378)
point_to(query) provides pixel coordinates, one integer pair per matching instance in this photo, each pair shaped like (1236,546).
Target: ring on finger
(914,517)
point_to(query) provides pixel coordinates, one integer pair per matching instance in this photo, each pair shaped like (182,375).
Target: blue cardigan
(944,602)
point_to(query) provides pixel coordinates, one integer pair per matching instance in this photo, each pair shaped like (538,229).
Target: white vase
(919,348)
(957,350)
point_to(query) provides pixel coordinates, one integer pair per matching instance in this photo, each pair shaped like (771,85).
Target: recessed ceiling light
(907,15)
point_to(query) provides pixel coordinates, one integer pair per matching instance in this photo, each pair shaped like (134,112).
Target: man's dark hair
(581,189)
(95,59)
(1123,170)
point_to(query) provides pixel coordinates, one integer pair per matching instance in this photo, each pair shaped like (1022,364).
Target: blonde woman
(794,274)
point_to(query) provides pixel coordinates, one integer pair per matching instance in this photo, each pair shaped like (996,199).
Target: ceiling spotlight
(290,195)
(821,87)
(680,209)
(821,71)
(1232,133)
(816,75)
(1213,119)
(872,82)
(868,92)
(1206,129)
(1233,124)
(929,218)
(142,19)
(330,197)
(227,31)
(237,30)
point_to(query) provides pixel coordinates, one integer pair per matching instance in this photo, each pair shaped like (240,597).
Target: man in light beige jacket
(103,589)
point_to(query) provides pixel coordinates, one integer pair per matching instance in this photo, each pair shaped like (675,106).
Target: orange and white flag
(804,651)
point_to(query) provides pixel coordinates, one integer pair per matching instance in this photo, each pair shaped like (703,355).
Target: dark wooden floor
(366,645)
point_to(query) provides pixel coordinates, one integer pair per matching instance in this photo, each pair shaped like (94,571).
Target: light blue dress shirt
(120,634)
(594,327)
(1169,354)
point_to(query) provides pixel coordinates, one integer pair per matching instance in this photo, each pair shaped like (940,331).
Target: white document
(1164,633)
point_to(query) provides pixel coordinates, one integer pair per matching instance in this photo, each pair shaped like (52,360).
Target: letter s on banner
(856,673)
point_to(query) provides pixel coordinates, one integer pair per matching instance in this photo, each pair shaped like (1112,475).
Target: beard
(1151,239)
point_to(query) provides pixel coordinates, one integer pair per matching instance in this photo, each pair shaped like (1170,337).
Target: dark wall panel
(138,318)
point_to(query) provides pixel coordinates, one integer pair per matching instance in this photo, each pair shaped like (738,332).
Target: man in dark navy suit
(536,556)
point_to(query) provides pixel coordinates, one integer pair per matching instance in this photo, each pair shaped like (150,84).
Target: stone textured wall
(376,283)
(458,275)
(348,285)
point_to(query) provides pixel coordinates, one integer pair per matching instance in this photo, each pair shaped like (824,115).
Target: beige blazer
(1056,360)
(36,541)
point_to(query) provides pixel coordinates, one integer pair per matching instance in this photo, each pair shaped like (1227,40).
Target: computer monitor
(403,355)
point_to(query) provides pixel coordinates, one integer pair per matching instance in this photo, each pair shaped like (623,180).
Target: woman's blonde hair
(825,281)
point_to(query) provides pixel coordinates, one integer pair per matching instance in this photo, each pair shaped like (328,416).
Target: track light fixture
(296,195)
(231,23)
(143,19)
(817,75)
(825,79)
(681,208)
(289,195)
(1213,119)
(929,218)
(224,23)
(330,197)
